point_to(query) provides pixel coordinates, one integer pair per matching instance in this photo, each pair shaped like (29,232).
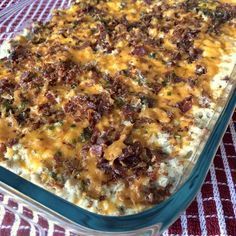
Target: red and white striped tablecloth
(212,213)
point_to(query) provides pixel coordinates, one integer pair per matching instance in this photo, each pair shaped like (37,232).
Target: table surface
(212,213)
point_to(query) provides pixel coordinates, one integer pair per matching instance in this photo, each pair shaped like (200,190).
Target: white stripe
(44,10)
(229,178)
(184,224)
(35,218)
(5,200)
(40,229)
(10,35)
(37,9)
(1,4)
(14,19)
(32,227)
(14,9)
(67,232)
(15,225)
(166,233)
(8,4)
(219,208)
(69,3)
(63,4)
(19,25)
(50,228)
(52,8)
(233,133)
(202,219)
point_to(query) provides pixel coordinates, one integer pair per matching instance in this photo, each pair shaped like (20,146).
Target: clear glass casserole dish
(149,222)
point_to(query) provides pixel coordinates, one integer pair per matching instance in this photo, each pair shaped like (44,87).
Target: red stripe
(176,228)
(228,207)
(24,228)
(231,229)
(27,213)
(207,190)
(6,2)
(58,231)
(227,137)
(193,221)
(213,226)
(209,207)
(12,204)
(208,177)
(43,223)
(8,220)
(230,149)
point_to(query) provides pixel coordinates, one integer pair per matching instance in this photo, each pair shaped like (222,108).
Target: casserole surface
(106,110)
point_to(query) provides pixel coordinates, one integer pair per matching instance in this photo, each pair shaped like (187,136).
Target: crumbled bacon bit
(96,150)
(171,76)
(142,121)
(130,156)
(130,112)
(6,86)
(63,72)
(139,51)
(12,142)
(3,148)
(104,165)
(50,96)
(46,109)
(194,54)
(19,53)
(148,1)
(30,79)
(156,87)
(102,198)
(185,105)
(153,194)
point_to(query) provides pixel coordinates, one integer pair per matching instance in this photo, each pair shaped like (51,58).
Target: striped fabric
(212,213)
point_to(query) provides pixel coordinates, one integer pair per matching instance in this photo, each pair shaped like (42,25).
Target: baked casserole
(106,103)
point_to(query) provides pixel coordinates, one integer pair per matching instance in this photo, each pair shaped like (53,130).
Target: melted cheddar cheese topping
(106,103)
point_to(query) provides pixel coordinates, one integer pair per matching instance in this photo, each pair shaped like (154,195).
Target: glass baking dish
(150,222)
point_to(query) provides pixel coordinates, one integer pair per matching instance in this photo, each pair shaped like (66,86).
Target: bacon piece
(19,53)
(153,195)
(12,142)
(70,107)
(130,112)
(172,77)
(96,150)
(51,97)
(29,80)
(149,2)
(185,105)
(130,156)
(155,87)
(6,86)
(3,148)
(64,72)
(139,51)
(194,54)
